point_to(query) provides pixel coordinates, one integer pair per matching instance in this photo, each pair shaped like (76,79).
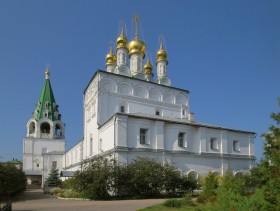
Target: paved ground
(36,200)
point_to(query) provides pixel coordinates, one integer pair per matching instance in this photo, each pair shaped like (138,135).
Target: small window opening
(181,139)
(236,146)
(122,109)
(157,113)
(143,136)
(45,127)
(214,143)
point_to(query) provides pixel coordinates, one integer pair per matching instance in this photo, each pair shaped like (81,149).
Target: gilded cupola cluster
(129,59)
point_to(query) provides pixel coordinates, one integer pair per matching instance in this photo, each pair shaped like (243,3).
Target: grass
(185,203)
(161,207)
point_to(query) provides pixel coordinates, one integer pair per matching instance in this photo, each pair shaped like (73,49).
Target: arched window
(58,131)
(193,174)
(238,174)
(45,127)
(31,128)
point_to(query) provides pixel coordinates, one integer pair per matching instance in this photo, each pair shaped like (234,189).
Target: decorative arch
(58,129)
(31,127)
(154,94)
(168,98)
(216,173)
(140,91)
(238,174)
(193,173)
(108,84)
(45,127)
(124,88)
(181,100)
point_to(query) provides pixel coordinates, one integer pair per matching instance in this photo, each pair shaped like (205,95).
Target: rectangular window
(90,145)
(37,164)
(100,144)
(143,136)
(157,113)
(214,143)
(54,164)
(181,139)
(122,109)
(236,146)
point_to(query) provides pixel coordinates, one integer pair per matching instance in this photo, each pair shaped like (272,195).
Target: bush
(55,191)
(201,199)
(173,203)
(188,200)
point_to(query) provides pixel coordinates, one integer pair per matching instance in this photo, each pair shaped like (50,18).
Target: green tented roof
(46,106)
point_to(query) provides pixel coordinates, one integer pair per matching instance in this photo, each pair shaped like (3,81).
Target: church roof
(46,106)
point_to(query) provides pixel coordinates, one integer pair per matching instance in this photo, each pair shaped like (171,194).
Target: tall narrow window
(236,146)
(100,145)
(214,143)
(157,113)
(143,136)
(90,145)
(122,109)
(54,164)
(181,139)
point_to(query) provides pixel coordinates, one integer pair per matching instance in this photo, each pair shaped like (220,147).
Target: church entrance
(34,181)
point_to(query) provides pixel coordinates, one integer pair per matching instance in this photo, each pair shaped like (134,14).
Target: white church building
(128,114)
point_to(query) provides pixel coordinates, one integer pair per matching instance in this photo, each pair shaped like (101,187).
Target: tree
(53,180)
(12,180)
(146,177)
(272,155)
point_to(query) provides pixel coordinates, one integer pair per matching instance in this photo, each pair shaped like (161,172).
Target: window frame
(236,146)
(214,144)
(143,133)
(181,139)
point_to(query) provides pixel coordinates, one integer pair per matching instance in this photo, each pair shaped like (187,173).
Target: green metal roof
(46,106)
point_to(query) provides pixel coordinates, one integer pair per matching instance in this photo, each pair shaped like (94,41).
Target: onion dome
(110,57)
(137,46)
(161,54)
(148,68)
(122,42)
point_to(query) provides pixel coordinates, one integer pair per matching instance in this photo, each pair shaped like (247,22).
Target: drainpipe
(115,137)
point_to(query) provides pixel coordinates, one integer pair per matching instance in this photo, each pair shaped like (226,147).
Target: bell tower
(44,144)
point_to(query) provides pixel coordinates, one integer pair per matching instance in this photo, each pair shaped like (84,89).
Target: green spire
(46,106)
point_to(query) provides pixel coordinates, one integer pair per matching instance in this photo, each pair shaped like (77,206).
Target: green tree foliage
(97,178)
(272,153)
(102,178)
(211,184)
(146,177)
(12,180)
(53,180)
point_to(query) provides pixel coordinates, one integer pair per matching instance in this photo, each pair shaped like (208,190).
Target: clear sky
(226,53)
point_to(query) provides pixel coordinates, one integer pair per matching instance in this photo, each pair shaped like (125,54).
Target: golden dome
(122,42)
(148,68)
(137,46)
(110,58)
(161,54)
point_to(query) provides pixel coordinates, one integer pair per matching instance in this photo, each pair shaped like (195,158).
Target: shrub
(188,200)
(55,191)
(201,199)
(173,203)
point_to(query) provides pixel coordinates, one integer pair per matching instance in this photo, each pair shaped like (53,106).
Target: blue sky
(226,53)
